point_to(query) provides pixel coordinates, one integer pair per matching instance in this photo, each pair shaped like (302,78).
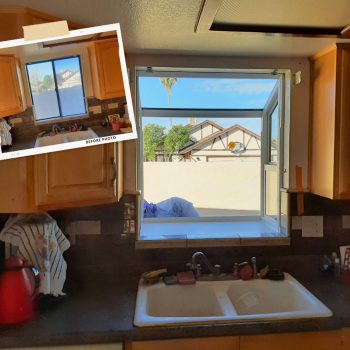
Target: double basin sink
(65,137)
(225,302)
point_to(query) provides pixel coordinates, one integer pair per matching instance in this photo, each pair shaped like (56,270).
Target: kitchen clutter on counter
(5,134)
(37,244)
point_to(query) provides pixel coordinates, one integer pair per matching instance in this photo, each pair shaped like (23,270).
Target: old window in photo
(56,88)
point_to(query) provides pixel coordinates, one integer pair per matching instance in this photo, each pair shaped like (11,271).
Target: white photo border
(89,142)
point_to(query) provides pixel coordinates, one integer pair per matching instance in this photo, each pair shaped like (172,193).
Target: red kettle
(18,286)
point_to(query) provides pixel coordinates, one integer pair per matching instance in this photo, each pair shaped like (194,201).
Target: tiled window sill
(209,234)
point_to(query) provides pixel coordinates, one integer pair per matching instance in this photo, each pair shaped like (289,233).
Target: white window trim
(284,101)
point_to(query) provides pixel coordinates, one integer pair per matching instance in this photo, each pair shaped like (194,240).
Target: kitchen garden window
(56,88)
(211,154)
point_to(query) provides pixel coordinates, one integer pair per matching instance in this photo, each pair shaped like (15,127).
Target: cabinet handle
(115,167)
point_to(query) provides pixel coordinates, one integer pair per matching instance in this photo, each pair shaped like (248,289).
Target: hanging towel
(5,135)
(40,241)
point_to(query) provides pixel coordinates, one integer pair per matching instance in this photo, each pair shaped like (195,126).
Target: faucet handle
(217,267)
(190,266)
(255,271)
(235,271)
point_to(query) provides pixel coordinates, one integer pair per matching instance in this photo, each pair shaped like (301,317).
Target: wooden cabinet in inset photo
(107,79)
(11,101)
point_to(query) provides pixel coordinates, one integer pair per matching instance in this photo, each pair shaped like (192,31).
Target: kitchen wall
(103,253)
(299,100)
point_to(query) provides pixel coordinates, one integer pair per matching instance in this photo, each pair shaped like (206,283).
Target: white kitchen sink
(225,302)
(65,137)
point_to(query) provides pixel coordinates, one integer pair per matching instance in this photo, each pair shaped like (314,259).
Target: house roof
(206,122)
(202,142)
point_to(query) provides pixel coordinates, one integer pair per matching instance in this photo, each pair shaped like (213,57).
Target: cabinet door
(78,177)
(342,148)
(292,341)
(10,94)
(115,346)
(106,70)
(215,343)
(16,194)
(9,27)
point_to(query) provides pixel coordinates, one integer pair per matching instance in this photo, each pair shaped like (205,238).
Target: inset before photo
(66,93)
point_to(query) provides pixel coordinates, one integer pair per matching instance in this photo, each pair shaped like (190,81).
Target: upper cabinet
(105,68)
(13,19)
(330,123)
(11,101)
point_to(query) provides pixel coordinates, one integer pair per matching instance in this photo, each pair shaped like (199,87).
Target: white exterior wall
(220,185)
(203,131)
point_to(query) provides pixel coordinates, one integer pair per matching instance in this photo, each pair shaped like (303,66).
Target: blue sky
(207,93)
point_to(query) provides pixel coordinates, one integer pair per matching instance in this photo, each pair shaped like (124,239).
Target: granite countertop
(103,131)
(29,142)
(100,310)
(22,144)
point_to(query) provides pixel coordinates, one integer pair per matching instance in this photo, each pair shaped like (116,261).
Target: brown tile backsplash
(28,129)
(109,245)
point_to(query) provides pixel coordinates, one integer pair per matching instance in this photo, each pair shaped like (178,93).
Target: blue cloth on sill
(172,207)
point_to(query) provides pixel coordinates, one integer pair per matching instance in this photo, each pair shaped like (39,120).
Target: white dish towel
(40,241)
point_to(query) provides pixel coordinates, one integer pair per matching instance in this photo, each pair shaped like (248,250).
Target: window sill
(210,234)
(60,119)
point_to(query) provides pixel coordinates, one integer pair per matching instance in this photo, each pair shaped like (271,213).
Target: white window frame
(284,85)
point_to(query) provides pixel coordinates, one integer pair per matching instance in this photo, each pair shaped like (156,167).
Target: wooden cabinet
(11,101)
(75,178)
(16,192)
(114,346)
(335,340)
(78,177)
(13,19)
(292,341)
(215,343)
(107,79)
(330,123)
(345,341)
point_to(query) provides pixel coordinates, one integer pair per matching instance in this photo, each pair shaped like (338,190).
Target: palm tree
(168,84)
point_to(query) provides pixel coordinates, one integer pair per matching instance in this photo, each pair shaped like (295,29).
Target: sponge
(186,277)
(246,272)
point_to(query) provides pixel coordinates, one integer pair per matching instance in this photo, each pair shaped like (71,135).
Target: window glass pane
(213,164)
(217,93)
(70,86)
(42,84)
(274,125)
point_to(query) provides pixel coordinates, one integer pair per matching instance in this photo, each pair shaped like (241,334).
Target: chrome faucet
(196,267)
